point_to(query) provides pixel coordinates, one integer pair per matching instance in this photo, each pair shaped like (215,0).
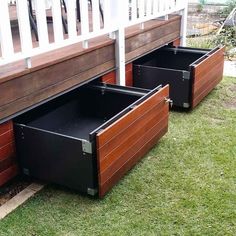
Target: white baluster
(41,23)
(84,17)
(134,10)
(57,21)
(107,8)
(148,8)
(5,31)
(155,7)
(96,15)
(71,18)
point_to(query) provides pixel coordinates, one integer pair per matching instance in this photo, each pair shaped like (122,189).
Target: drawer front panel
(122,144)
(207,74)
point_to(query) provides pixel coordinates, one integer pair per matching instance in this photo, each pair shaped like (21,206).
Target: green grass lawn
(186,185)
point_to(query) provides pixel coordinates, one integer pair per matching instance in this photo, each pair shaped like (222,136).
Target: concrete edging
(19,199)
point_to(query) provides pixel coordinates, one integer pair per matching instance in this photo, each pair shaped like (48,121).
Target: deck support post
(142,26)
(85,44)
(120,56)
(119,12)
(28,63)
(183,33)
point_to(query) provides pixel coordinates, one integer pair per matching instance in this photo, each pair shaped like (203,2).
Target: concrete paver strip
(230,68)
(19,199)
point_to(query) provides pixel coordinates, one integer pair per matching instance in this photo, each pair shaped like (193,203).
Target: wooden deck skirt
(59,71)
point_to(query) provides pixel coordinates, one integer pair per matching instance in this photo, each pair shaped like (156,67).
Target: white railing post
(183,33)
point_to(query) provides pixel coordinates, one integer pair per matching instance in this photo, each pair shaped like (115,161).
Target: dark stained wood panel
(146,41)
(7,150)
(25,85)
(53,90)
(129,137)
(6,138)
(206,75)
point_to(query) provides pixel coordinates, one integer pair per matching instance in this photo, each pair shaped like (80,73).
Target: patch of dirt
(217,120)
(231,104)
(233,88)
(12,188)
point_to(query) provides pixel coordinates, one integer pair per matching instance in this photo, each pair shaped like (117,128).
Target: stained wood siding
(152,37)
(123,143)
(8,167)
(110,78)
(206,75)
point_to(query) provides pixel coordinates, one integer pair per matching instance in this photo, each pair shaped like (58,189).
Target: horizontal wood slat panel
(131,162)
(121,124)
(41,95)
(118,153)
(145,38)
(25,85)
(123,136)
(117,161)
(212,75)
(206,90)
(159,42)
(203,66)
(133,143)
(200,78)
(6,138)
(7,151)
(6,163)
(6,127)
(8,174)
(206,75)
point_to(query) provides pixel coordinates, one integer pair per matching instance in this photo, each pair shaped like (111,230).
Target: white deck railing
(117,16)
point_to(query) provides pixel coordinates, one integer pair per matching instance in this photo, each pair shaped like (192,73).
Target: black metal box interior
(169,65)
(56,141)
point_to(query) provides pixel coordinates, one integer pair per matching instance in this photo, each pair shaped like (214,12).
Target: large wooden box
(89,138)
(191,73)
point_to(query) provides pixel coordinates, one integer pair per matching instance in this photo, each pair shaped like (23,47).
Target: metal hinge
(186,75)
(22,133)
(26,171)
(169,101)
(186,105)
(92,191)
(86,147)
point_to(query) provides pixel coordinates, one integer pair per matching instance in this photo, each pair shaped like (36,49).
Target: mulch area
(12,188)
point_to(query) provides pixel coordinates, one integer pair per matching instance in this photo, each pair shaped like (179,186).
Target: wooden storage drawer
(191,73)
(89,138)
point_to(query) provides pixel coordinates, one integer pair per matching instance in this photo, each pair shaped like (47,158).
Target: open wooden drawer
(191,73)
(89,138)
